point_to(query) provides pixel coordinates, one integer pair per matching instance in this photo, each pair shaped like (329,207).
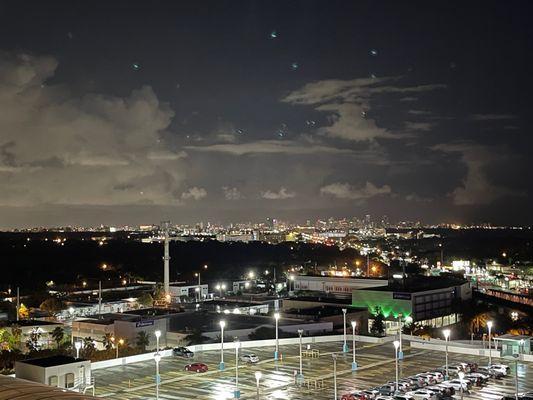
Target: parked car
(182,352)
(250,358)
(479,378)
(371,393)
(386,390)
(382,397)
(196,367)
(504,369)
(357,395)
(423,394)
(456,384)
(402,397)
(491,372)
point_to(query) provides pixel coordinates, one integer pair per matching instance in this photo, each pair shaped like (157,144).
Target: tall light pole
(489,325)
(258,376)
(276,352)
(400,351)
(301,375)
(461,375)
(446,333)
(396,346)
(345,345)
(157,358)
(77,345)
(354,364)
(237,392)
(334,355)
(157,336)
(120,342)
(516,376)
(221,365)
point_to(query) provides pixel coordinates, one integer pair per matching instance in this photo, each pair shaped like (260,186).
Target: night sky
(124,112)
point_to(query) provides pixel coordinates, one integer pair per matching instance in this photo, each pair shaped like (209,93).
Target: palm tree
(143,340)
(58,334)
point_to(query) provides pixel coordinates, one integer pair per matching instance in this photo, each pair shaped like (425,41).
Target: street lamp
(301,375)
(157,336)
(354,364)
(409,321)
(119,343)
(446,333)
(77,345)
(396,346)
(489,325)
(276,353)
(461,375)
(345,345)
(334,355)
(236,392)
(400,352)
(222,325)
(157,358)
(258,376)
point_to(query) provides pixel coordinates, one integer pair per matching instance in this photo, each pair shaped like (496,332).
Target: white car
(504,369)
(456,384)
(403,397)
(422,394)
(382,397)
(250,358)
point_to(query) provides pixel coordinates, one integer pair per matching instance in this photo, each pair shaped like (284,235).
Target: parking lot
(376,366)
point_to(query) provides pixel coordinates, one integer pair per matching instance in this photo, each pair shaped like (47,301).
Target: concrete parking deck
(376,366)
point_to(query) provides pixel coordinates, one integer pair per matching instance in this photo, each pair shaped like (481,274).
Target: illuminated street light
(446,333)
(334,355)
(119,343)
(222,325)
(301,375)
(251,275)
(157,336)
(400,352)
(489,325)
(345,345)
(276,352)
(396,346)
(354,364)
(77,345)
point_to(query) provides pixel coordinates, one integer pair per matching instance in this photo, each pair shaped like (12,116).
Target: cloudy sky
(132,112)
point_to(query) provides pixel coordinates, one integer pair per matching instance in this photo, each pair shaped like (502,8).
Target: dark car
(182,352)
(196,367)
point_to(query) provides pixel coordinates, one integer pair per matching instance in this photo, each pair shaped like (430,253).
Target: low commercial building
(27,327)
(513,344)
(180,292)
(336,286)
(60,371)
(429,301)
(15,388)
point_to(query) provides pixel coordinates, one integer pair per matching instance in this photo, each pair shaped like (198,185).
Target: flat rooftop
(415,284)
(52,361)
(323,299)
(30,322)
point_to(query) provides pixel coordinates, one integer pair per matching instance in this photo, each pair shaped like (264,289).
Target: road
(376,366)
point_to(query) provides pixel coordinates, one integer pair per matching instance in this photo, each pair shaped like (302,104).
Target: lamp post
(301,375)
(396,346)
(489,325)
(446,333)
(461,375)
(345,345)
(222,325)
(516,376)
(354,363)
(120,342)
(258,376)
(276,352)
(237,392)
(157,336)
(334,355)
(400,351)
(77,345)
(157,358)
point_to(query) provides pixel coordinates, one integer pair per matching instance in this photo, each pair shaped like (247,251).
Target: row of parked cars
(432,385)
(184,352)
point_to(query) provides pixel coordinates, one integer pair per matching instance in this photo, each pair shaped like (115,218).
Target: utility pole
(18,302)
(166,258)
(100,299)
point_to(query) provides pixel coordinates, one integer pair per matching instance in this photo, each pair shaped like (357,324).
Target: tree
(107,341)
(33,340)
(52,305)
(143,340)
(145,300)
(378,327)
(195,337)
(58,334)
(88,347)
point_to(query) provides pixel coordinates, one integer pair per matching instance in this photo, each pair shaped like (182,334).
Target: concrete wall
(129,330)
(245,344)
(38,374)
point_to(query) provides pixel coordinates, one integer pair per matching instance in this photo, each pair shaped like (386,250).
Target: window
(52,380)
(69,380)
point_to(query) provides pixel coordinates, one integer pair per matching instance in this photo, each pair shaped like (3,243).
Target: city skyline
(237,111)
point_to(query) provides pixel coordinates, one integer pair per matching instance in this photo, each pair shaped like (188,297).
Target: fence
(244,344)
